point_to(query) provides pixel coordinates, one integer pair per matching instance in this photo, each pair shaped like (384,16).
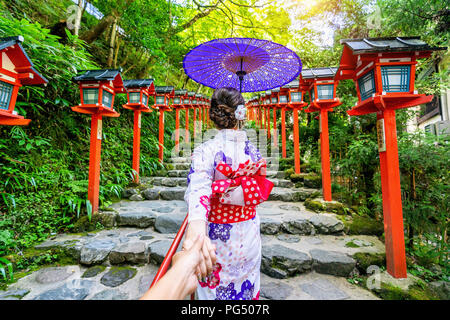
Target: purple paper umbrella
(246,64)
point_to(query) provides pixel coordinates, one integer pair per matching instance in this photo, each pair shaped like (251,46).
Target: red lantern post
(384,72)
(138,91)
(178,104)
(295,103)
(162,98)
(97,92)
(322,88)
(16,70)
(187,103)
(274,104)
(283,101)
(267,105)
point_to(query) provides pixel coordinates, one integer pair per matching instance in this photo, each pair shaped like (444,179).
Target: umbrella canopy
(246,64)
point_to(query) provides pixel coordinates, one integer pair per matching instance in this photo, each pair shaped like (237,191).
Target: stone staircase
(305,255)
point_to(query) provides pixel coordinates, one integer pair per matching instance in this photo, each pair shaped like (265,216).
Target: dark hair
(224,102)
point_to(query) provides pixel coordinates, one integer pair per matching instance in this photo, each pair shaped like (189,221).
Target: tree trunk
(111,44)
(96,31)
(117,50)
(78,18)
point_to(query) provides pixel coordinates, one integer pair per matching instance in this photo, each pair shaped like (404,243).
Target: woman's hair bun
(224,102)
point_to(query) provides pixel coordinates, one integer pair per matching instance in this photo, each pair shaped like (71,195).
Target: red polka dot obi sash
(234,199)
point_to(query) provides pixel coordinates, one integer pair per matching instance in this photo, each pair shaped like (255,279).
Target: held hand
(208,250)
(188,261)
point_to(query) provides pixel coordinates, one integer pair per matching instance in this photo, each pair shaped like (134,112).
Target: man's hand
(187,261)
(208,249)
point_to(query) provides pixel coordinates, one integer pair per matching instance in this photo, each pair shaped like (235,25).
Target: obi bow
(246,186)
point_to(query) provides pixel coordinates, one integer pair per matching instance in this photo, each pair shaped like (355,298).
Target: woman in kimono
(225,183)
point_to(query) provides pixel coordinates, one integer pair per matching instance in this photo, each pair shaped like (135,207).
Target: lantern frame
(144,88)
(380,56)
(16,70)
(104,80)
(162,96)
(312,79)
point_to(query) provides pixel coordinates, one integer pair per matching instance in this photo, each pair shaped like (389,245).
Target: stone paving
(305,255)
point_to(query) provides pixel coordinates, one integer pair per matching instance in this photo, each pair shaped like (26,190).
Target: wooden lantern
(16,70)
(177,104)
(274,104)
(322,88)
(295,94)
(383,70)
(138,93)
(97,91)
(162,101)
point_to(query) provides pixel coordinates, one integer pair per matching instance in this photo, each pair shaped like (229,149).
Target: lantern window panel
(325,91)
(395,78)
(296,96)
(176,100)
(107,98)
(5,95)
(159,99)
(274,100)
(194,101)
(267,101)
(312,95)
(144,99)
(90,95)
(283,99)
(366,85)
(134,97)
(186,101)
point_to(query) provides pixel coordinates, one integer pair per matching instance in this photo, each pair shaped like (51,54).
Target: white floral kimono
(236,234)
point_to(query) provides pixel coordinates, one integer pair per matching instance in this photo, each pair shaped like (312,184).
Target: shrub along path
(305,254)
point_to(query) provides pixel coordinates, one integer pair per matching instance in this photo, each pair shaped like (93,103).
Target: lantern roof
(23,65)
(138,83)
(164,89)
(393,44)
(198,95)
(292,84)
(180,92)
(102,75)
(191,94)
(98,75)
(314,73)
(370,48)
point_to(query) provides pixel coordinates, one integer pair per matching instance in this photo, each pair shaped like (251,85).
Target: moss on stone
(288,172)
(364,225)
(93,271)
(312,181)
(351,244)
(298,185)
(366,259)
(414,292)
(314,205)
(83,224)
(116,269)
(335,207)
(296,177)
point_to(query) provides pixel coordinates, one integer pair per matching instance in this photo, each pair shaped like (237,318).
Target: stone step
(181,181)
(130,282)
(312,286)
(176,192)
(184,173)
(292,194)
(285,256)
(276,217)
(187,160)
